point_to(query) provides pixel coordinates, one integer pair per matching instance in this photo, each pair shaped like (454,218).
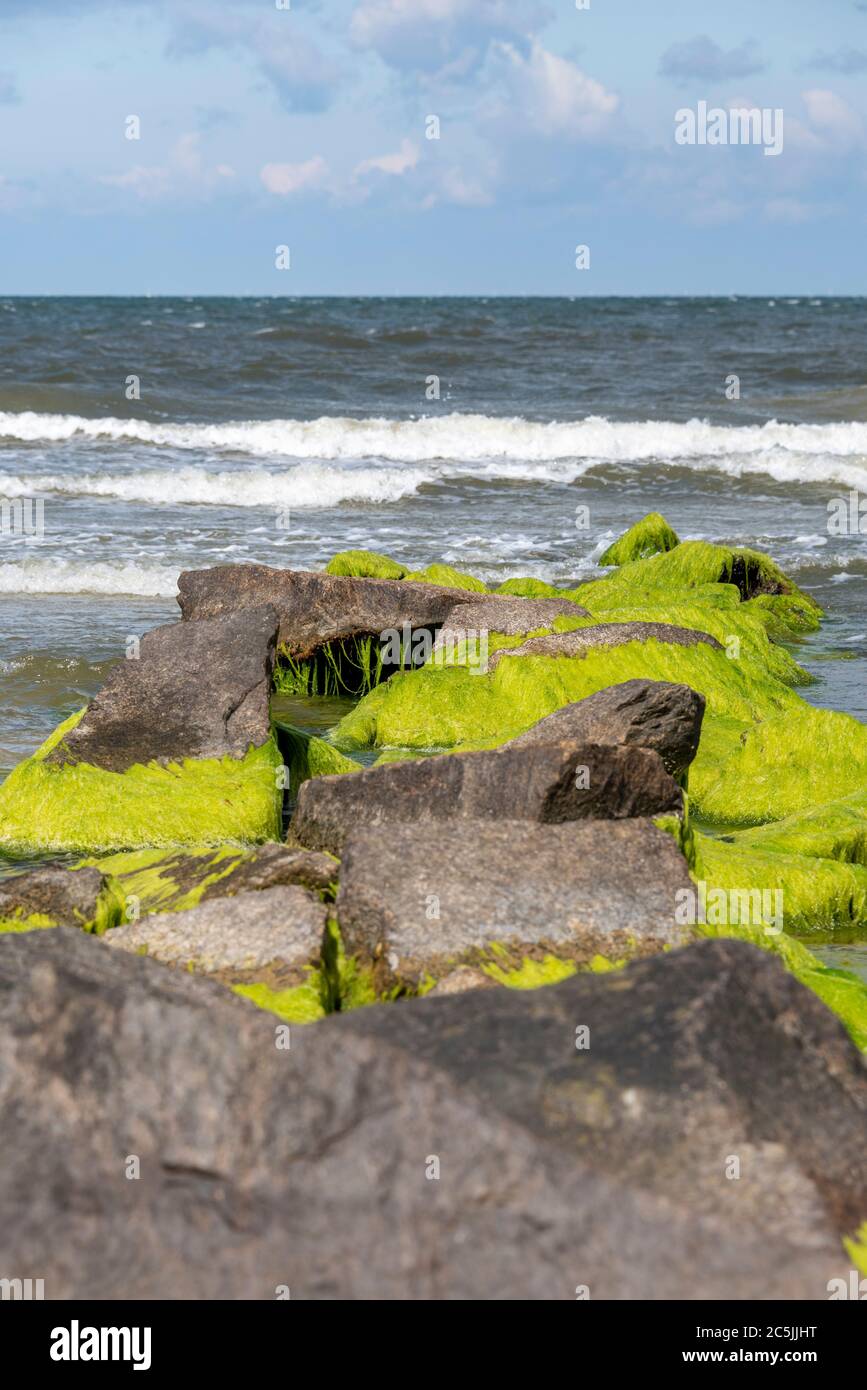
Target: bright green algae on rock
(303,1003)
(528,588)
(308,756)
(650,536)
(34,922)
(351,666)
(365,564)
(79,807)
(448,577)
(147,875)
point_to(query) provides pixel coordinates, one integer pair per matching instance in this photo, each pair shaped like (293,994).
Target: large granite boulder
(546,783)
(417,900)
(315,609)
(176,748)
(272,936)
(604,635)
(193,692)
(171,1142)
(649,714)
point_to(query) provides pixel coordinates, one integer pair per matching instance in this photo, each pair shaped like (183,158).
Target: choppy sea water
(280,431)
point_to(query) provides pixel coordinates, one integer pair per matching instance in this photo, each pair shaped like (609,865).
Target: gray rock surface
(265,1169)
(504,614)
(650,714)
(316,608)
(417,900)
(544,783)
(602,635)
(269,935)
(69,897)
(196,691)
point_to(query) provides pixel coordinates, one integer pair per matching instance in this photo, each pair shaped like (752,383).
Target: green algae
(304,1003)
(365,564)
(856,1248)
(148,876)
(34,922)
(306,756)
(79,807)
(536,974)
(351,666)
(449,578)
(650,536)
(527,587)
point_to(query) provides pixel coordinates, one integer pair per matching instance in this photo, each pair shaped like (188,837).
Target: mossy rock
(528,588)
(650,536)
(78,807)
(448,578)
(365,564)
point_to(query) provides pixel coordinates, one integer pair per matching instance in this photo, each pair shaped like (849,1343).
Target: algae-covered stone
(545,783)
(274,935)
(450,577)
(602,636)
(316,609)
(303,1166)
(365,564)
(527,587)
(152,880)
(176,748)
(417,900)
(649,714)
(58,897)
(650,536)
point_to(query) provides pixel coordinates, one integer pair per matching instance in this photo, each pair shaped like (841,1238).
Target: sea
(504,436)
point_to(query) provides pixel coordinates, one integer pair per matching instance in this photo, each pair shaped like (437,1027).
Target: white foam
(493,446)
(88,577)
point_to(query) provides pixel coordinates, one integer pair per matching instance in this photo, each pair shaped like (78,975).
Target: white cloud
(286,179)
(184,172)
(400,162)
(831,118)
(553,95)
(433,35)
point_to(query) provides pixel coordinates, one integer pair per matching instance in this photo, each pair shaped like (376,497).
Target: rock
(545,783)
(264,1169)
(316,608)
(271,936)
(650,714)
(585,639)
(67,897)
(461,980)
(650,536)
(274,865)
(503,614)
(176,749)
(195,692)
(694,1059)
(415,901)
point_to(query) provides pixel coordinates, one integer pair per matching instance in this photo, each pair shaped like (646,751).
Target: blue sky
(307,127)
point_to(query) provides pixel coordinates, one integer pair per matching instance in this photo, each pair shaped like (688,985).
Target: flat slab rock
(69,897)
(263,1167)
(659,715)
(196,691)
(504,614)
(545,783)
(316,608)
(268,935)
(417,900)
(602,635)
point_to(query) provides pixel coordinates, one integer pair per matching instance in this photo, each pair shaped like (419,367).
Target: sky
(311,125)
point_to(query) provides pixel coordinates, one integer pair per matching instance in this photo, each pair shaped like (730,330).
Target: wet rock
(545,783)
(504,614)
